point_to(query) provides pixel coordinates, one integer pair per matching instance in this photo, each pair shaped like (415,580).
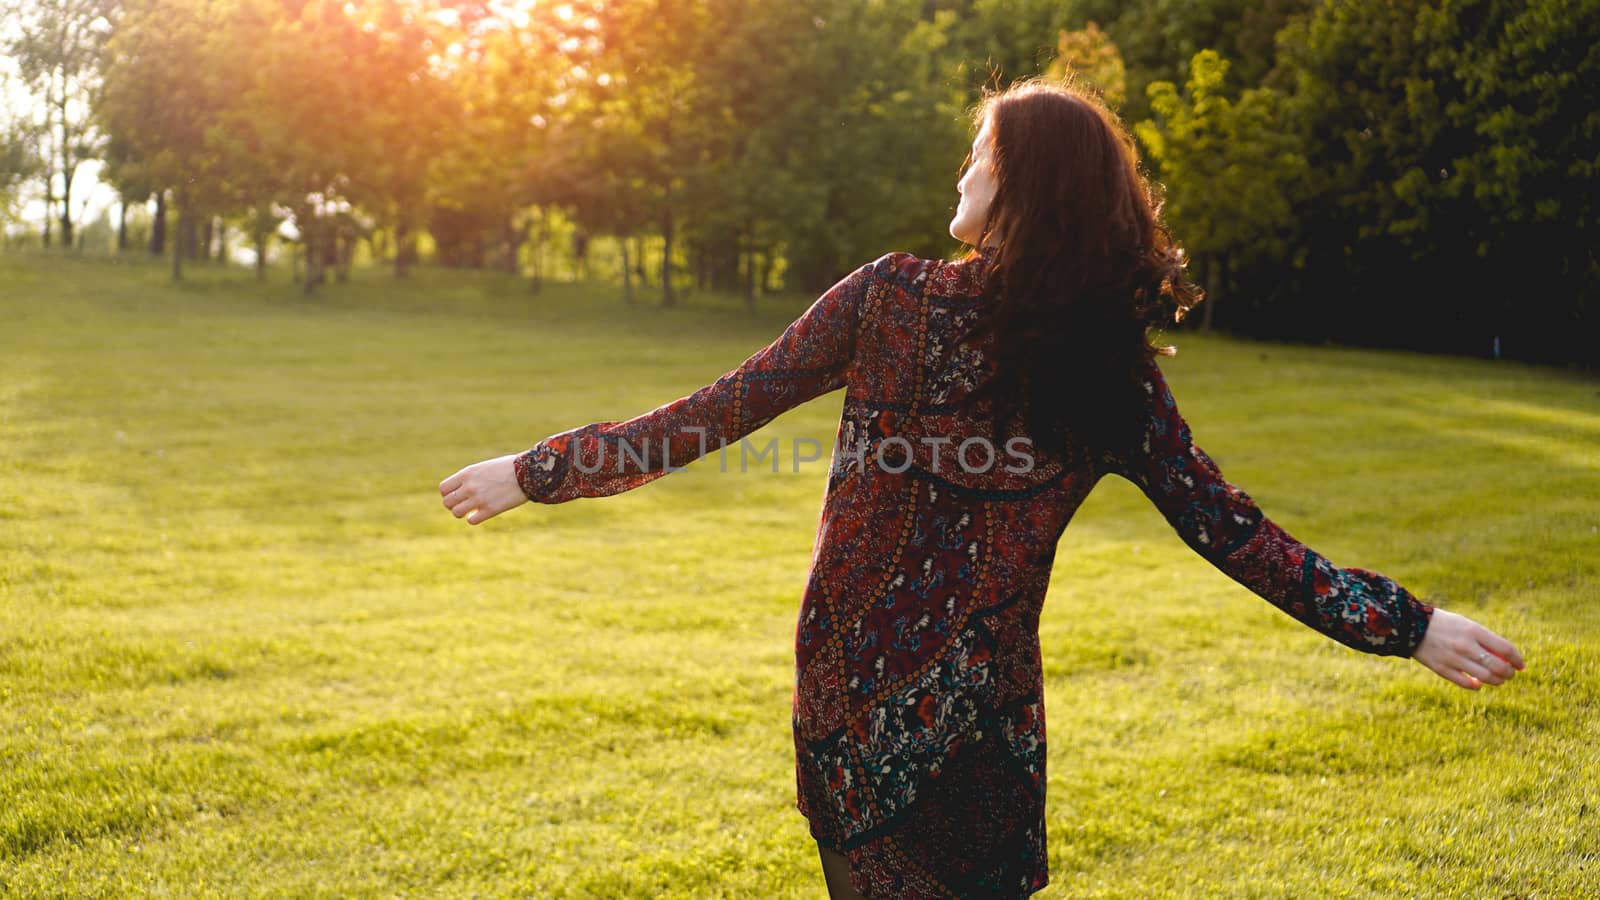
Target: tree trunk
(122,226)
(749,266)
(404,248)
(188,232)
(158,226)
(627,273)
(66,208)
(311,238)
(580,254)
(328,251)
(49,156)
(766,270)
(178,203)
(1216,265)
(536,230)
(207,232)
(344,249)
(261,252)
(68,167)
(49,199)
(542,231)
(222,241)
(514,239)
(67,171)
(667,296)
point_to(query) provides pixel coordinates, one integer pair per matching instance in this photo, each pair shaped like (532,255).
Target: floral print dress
(918,714)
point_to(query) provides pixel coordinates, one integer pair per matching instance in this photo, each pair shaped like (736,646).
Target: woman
(918,718)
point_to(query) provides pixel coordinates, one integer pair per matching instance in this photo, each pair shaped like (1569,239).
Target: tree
(885,147)
(1452,149)
(994,42)
(610,196)
(1091,59)
(1158,38)
(159,115)
(650,50)
(408,116)
(309,118)
(56,46)
(20,161)
(510,85)
(1227,166)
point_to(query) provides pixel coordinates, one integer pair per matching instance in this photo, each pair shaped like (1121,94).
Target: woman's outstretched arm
(809,359)
(1356,607)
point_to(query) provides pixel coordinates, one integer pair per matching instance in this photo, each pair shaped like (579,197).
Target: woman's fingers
(1499,670)
(472,505)
(454,481)
(459,494)
(1463,652)
(1481,671)
(484,510)
(1502,648)
(1461,678)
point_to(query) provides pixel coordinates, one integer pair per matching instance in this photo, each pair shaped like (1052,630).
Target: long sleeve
(1356,607)
(809,359)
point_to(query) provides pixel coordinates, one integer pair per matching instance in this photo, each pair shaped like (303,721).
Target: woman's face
(977,190)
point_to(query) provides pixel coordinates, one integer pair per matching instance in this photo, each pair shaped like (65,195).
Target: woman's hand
(483,490)
(1467,653)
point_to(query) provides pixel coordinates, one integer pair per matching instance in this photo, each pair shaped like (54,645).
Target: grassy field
(244,651)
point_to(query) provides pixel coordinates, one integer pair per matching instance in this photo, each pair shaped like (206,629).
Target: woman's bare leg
(836,871)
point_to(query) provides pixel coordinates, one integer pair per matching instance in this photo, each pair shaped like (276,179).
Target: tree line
(1395,174)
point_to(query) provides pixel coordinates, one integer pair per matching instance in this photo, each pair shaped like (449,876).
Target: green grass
(245,652)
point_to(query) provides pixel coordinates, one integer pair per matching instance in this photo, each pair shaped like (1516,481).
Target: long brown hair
(1082,270)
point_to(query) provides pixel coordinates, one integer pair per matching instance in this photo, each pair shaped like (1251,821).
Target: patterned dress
(918,713)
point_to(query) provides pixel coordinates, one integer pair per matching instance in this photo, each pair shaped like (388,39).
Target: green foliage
(994,42)
(1416,174)
(20,160)
(1397,174)
(1232,159)
(158,114)
(1453,147)
(1230,167)
(887,141)
(1088,59)
(816,129)
(53,47)
(1158,38)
